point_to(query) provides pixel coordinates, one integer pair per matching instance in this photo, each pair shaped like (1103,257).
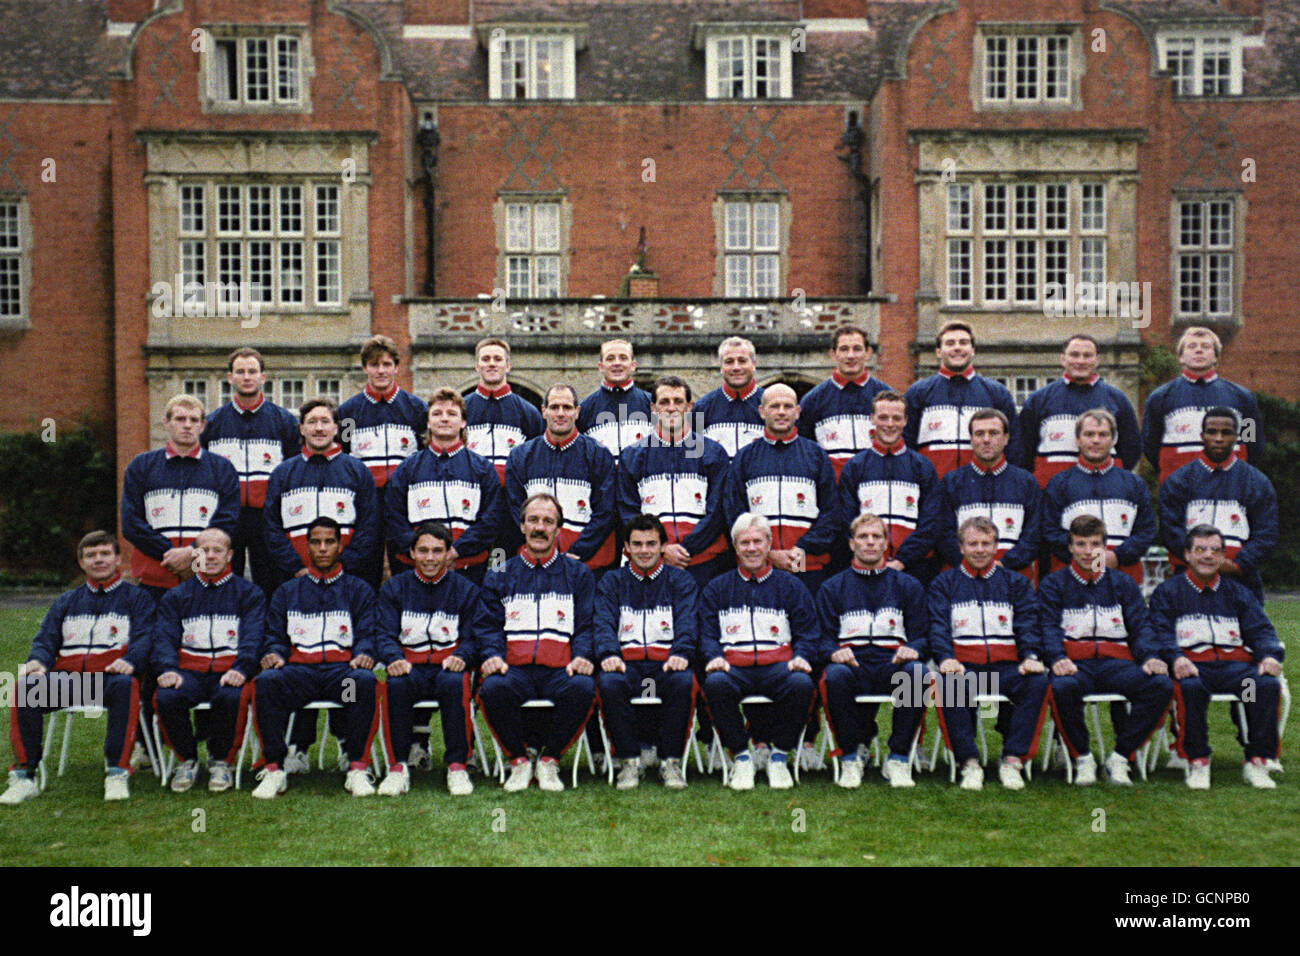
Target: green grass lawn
(1159,823)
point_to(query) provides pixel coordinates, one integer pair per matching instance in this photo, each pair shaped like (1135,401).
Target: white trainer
(186,773)
(897,772)
(1118,770)
(139,756)
(459,784)
(396,782)
(1176,762)
(629,775)
(810,759)
(358,783)
(972,776)
(742,775)
(296,761)
(273,783)
(521,775)
(1273,765)
(778,775)
(670,772)
(1198,775)
(1255,773)
(850,774)
(1085,770)
(21,787)
(548,775)
(116,786)
(220,779)
(1009,774)
(420,758)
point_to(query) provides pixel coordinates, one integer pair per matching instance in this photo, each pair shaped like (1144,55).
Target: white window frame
(1200,254)
(16,261)
(1000,52)
(1200,39)
(503,40)
(1020,386)
(755,43)
(287,84)
(533,249)
(760,247)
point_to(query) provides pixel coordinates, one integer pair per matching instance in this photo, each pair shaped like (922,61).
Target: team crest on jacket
(203,511)
(1055,436)
(649,499)
(295,510)
(1235,519)
(339,507)
(733,628)
(466,506)
(155,512)
(756,500)
(364,444)
(266,458)
(422,503)
(405,441)
(582,505)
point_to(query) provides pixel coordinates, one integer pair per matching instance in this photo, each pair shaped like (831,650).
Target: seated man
(984,625)
(758,632)
(320,645)
(205,644)
(533,633)
(424,624)
(1095,632)
(1218,640)
(875,618)
(103,627)
(646,622)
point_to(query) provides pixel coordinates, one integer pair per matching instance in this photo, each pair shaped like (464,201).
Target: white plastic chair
(979,700)
(878,699)
(432,706)
(579,748)
(1092,710)
(90,712)
(718,752)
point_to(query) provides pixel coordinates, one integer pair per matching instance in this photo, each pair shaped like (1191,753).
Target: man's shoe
(139,756)
(850,774)
(809,758)
(1009,774)
(521,775)
(897,772)
(396,782)
(778,775)
(1085,770)
(630,774)
(1273,765)
(21,787)
(296,761)
(358,783)
(220,779)
(420,758)
(1176,762)
(548,775)
(116,786)
(762,753)
(459,784)
(1117,769)
(972,776)
(186,773)
(649,758)
(273,783)
(670,772)
(1198,774)
(1255,772)
(742,775)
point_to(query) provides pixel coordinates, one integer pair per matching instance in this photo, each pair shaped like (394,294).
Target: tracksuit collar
(1092,380)
(773,440)
(648,575)
(329,454)
(895,449)
(1101,469)
(763,574)
(501,392)
(740,396)
(620,389)
(970,572)
(562,443)
(240,406)
(103,587)
(841,381)
(215,581)
(1212,584)
(1209,376)
(329,578)
(171,451)
(686,430)
(551,557)
(446,451)
(377,397)
(997,468)
(433,580)
(967,374)
(1221,466)
(1084,575)
(865,571)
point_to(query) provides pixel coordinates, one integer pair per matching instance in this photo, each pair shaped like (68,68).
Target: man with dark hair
(320,645)
(939,407)
(1216,488)
(497,420)
(1217,640)
(1047,439)
(645,641)
(618,413)
(1097,640)
(729,414)
(425,638)
(103,626)
(678,476)
(254,435)
(837,413)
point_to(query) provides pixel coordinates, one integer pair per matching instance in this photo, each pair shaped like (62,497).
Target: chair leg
(167,758)
(826,736)
(151,744)
(798,749)
(609,754)
(67,737)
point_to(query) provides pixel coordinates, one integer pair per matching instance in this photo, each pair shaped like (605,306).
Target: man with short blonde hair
(618,413)
(729,414)
(497,420)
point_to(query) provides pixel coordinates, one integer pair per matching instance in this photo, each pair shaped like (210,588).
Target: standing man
(939,408)
(678,476)
(1171,422)
(387,424)
(646,620)
(497,420)
(577,471)
(254,435)
(837,413)
(104,626)
(729,414)
(171,494)
(534,636)
(1216,488)
(447,482)
(1047,419)
(788,480)
(618,413)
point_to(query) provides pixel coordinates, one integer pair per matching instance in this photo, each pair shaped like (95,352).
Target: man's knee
(838,677)
(613,684)
(1193,691)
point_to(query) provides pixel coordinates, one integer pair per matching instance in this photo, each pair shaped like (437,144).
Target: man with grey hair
(729,414)
(759,635)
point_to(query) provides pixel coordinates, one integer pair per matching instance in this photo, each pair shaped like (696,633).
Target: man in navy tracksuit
(102,626)
(425,638)
(497,420)
(992,487)
(1097,640)
(618,413)
(899,486)
(1097,486)
(206,642)
(759,636)
(320,646)
(171,494)
(1047,439)
(1172,419)
(729,414)
(984,624)
(646,619)
(533,634)
(837,413)
(1217,640)
(939,408)
(387,426)
(1217,488)
(678,476)
(448,483)
(254,435)
(876,620)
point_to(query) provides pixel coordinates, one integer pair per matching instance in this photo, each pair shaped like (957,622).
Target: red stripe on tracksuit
(1180,718)
(241,720)
(821,688)
(132,725)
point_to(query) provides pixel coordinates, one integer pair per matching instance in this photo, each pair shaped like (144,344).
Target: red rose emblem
(112,630)
(775,630)
(405,442)
(339,507)
(231,634)
(663,625)
(510,443)
(698,497)
(581,504)
(559,614)
(446,632)
(799,497)
(1010,522)
(891,622)
(1235,518)
(910,500)
(1002,619)
(406,632)
(464,503)
(343,628)
(266,457)
(961,622)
